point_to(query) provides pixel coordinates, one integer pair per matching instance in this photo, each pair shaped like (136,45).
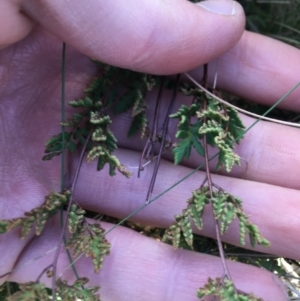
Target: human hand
(30,108)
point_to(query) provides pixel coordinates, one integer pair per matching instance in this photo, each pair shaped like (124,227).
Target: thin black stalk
(152,136)
(63,154)
(163,138)
(73,186)
(210,185)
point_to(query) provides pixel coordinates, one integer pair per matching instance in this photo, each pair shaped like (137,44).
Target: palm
(31,78)
(30,110)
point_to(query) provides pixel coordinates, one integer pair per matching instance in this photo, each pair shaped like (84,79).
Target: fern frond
(225,290)
(227,208)
(37,216)
(73,121)
(30,291)
(196,206)
(139,123)
(187,133)
(227,157)
(75,218)
(85,102)
(90,240)
(77,291)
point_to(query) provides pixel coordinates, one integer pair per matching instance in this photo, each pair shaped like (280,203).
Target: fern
(208,122)
(187,133)
(219,123)
(225,290)
(77,291)
(102,94)
(226,208)
(37,216)
(90,240)
(30,291)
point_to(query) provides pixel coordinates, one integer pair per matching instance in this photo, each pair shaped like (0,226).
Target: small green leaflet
(188,139)
(235,124)
(187,133)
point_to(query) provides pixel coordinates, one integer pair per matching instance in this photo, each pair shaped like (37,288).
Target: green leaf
(197,146)
(255,236)
(126,102)
(225,291)
(98,135)
(30,291)
(71,145)
(124,171)
(196,216)
(50,156)
(102,160)
(180,228)
(75,218)
(235,124)
(194,129)
(182,134)
(212,114)
(189,89)
(173,234)
(186,228)
(77,291)
(99,119)
(82,103)
(111,141)
(57,139)
(54,140)
(112,169)
(54,145)
(226,156)
(139,123)
(185,113)
(3,226)
(90,240)
(113,164)
(213,104)
(37,216)
(188,139)
(84,132)
(182,150)
(54,148)
(94,85)
(74,121)
(139,104)
(150,81)
(95,152)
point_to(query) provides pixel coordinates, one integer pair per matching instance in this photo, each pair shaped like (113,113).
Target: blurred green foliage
(279,19)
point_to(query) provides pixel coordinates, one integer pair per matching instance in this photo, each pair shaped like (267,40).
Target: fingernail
(221,7)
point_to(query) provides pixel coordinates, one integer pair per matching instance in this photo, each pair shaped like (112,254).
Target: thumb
(153,36)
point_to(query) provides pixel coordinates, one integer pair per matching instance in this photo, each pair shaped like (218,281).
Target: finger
(260,69)
(14,25)
(161,37)
(148,268)
(274,209)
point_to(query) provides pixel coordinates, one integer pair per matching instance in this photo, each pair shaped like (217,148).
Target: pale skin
(140,268)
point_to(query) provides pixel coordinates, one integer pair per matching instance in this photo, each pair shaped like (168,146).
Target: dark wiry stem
(210,186)
(152,136)
(163,138)
(71,201)
(46,269)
